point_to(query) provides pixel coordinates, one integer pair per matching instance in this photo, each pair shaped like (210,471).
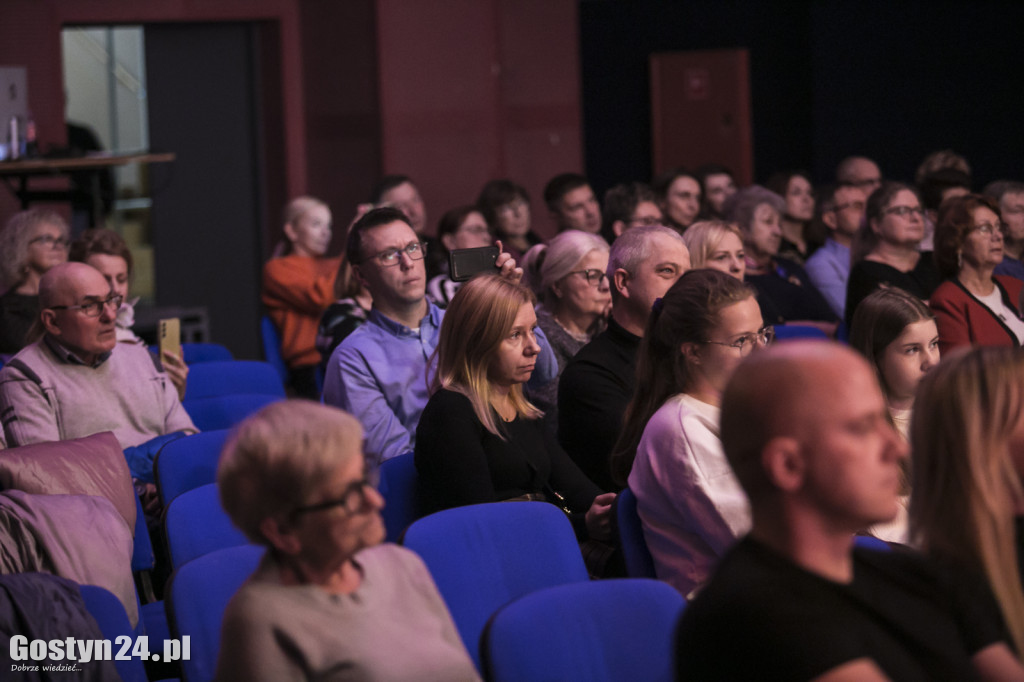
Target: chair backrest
(403,497)
(187,463)
(198,593)
(639,563)
(109,614)
(871,542)
(196,525)
(208,379)
(789,332)
(272,347)
(483,556)
(597,631)
(224,411)
(143,558)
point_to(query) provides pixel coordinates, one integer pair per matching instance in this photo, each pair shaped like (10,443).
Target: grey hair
(633,247)
(740,207)
(546,264)
(14,239)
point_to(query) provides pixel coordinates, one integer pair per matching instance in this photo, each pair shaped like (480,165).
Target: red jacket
(296,291)
(964,320)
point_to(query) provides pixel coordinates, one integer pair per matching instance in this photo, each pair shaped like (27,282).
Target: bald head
(788,391)
(64,283)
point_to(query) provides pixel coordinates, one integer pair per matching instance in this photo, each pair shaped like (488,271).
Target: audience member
(718,245)
(1010,195)
(345,315)
(78,380)
(379,373)
(678,193)
(570,277)
(106,251)
(785,292)
(804,428)
(327,599)
(973,305)
(506,208)
(572,203)
(798,239)
(944,158)
(31,243)
(690,504)
(967,508)
(398,191)
(935,189)
(480,439)
(861,172)
(884,251)
(598,381)
(460,228)
(896,333)
(627,206)
(840,210)
(298,286)
(717,184)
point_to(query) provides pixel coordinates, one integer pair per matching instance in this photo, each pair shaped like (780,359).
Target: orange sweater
(296,291)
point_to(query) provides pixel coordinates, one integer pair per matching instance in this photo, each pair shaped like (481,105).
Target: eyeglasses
(905,211)
(50,241)
(987,229)
(593,275)
(389,257)
(855,205)
(746,343)
(352,500)
(645,221)
(93,308)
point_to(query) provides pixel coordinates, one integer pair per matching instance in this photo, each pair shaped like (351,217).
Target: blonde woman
(479,439)
(718,245)
(967,504)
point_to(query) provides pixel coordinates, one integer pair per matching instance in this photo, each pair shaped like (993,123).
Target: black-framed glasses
(389,257)
(93,308)
(592,275)
(905,211)
(352,500)
(747,342)
(50,241)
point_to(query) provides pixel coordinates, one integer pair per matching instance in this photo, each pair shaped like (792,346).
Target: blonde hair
(545,264)
(293,211)
(277,459)
(702,238)
(965,486)
(14,243)
(477,320)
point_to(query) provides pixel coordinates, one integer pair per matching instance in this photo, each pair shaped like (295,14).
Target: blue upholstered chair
(196,525)
(224,411)
(399,485)
(187,463)
(113,621)
(209,379)
(639,563)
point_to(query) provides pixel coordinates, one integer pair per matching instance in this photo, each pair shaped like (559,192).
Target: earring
(959,259)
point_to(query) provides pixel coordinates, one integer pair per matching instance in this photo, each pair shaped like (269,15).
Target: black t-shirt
(867,275)
(786,294)
(593,393)
(18,312)
(763,617)
(460,462)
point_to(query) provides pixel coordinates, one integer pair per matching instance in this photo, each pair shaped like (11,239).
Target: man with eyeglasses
(628,205)
(1010,195)
(841,210)
(77,379)
(379,373)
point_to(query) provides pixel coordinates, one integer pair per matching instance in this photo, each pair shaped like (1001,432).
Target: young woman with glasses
(568,276)
(479,439)
(690,504)
(31,243)
(974,306)
(885,250)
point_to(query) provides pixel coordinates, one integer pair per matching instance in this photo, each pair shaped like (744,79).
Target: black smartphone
(464,263)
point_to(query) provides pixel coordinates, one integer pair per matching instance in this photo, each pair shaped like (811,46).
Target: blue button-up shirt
(829,270)
(379,374)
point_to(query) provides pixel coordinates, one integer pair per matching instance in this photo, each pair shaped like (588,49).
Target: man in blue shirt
(379,373)
(841,210)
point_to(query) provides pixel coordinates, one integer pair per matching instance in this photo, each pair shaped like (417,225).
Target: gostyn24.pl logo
(70,651)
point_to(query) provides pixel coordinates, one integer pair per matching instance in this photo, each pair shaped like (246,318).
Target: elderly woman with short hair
(328,601)
(784,291)
(31,243)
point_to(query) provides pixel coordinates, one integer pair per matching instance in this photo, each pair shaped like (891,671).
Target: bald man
(804,428)
(77,380)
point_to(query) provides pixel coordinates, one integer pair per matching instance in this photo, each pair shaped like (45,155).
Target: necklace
(583,338)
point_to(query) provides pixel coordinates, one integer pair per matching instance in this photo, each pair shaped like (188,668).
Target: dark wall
(891,80)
